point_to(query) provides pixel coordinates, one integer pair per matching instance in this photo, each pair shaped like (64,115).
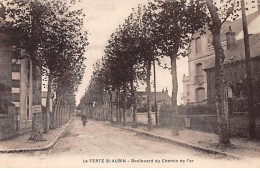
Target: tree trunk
(66,113)
(250,88)
(55,114)
(61,113)
(155,99)
(103,112)
(134,124)
(69,109)
(124,108)
(111,106)
(118,117)
(219,72)
(36,133)
(52,117)
(46,118)
(175,123)
(148,91)
(58,114)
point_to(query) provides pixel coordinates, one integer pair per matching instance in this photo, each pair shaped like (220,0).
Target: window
(198,47)
(200,94)
(199,74)
(199,69)
(228,92)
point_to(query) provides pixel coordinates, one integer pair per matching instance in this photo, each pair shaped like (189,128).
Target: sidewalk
(20,143)
(207,142)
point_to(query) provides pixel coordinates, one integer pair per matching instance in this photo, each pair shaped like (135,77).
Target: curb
(47,147)
(179,142)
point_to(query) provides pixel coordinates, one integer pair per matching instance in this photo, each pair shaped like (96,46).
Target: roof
(235,25)
(253,28)
(159,95)
(237,52)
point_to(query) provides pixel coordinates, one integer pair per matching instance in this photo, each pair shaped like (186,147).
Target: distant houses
(162,98)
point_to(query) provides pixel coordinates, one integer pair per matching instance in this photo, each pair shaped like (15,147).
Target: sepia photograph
(129,83)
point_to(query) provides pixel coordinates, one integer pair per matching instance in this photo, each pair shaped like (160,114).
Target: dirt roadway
(100,145)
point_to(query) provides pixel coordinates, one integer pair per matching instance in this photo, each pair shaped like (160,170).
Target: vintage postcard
(129,84)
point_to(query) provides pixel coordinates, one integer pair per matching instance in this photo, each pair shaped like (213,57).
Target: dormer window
(198,47)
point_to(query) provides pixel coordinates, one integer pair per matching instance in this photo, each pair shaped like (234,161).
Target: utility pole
(155,99)
(250,98)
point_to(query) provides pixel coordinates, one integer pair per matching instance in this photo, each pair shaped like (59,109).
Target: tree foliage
(52,35)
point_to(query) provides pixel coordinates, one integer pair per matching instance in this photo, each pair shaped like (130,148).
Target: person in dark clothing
(84,117)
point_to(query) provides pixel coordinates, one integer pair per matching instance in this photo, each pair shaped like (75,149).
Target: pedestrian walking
(84,117)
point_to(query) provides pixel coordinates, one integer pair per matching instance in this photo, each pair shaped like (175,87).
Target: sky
(102,19)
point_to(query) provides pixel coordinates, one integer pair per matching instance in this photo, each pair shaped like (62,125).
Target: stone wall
(205,123)
(8,124)
(165,118)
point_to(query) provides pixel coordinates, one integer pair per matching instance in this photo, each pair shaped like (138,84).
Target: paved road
(101,145)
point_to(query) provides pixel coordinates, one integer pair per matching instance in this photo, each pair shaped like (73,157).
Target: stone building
(16,75)
(235,71)
(199,86)
(202,54)
(161,98)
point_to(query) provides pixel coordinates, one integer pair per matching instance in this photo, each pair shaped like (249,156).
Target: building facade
(161,98)
(202,55)
(16,75)
(235,71)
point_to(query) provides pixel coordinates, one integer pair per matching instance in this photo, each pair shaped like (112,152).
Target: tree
(173,26)
(35,26)
(26,26)
(63,47)
(147,18)
(185,19)
(250,87)
(132,56)
(218,15)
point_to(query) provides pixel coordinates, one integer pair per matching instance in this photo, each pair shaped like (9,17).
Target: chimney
(230,38)
(166,91)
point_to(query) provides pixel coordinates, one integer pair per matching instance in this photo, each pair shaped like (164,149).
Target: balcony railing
(199,79)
